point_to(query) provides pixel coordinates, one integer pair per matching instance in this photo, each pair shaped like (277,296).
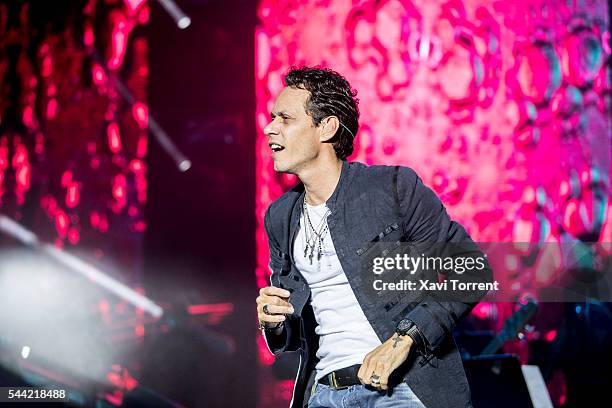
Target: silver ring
(375,380)
(265,309)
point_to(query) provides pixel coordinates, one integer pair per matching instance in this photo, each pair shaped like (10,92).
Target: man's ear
(328,128)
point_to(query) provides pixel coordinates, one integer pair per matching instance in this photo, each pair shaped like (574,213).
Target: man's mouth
(276,147)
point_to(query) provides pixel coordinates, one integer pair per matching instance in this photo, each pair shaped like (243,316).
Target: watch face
(404,325)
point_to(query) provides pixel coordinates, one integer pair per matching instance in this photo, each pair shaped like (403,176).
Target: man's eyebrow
(282,114)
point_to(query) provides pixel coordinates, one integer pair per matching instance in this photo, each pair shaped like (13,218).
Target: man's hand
(384,359)
(278,306)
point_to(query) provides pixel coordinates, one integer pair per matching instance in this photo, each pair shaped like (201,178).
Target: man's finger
(376,370)
(274,291)
(382,370)
(361,374)
(277,309)
(271,318)
(368,369)
(271,300)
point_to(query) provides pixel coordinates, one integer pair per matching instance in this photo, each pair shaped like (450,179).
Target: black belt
(342,378)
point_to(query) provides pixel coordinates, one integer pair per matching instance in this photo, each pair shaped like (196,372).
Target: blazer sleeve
(424,220)
(289,338)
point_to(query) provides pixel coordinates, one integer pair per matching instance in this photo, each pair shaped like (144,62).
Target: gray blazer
(371,204)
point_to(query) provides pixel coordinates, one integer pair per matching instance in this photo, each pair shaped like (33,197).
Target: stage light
(183,23)
(20,233)
(141,111)
(182,20)
(45,319)
(184,165)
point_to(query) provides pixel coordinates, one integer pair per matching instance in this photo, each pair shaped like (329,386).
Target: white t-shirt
(345,335)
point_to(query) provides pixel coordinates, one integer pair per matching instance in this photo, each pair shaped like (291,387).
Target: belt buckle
(334,382)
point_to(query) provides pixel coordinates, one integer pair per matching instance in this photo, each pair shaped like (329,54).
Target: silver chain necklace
(314,237)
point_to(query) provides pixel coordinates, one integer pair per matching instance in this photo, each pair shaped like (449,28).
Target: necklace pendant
(306,251)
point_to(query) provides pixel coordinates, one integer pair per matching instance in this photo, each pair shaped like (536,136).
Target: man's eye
(283,118)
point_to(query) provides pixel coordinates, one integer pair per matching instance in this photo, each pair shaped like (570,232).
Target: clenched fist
(383,360)
(277,306)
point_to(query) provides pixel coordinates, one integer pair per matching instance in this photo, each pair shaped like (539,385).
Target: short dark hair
(330,95)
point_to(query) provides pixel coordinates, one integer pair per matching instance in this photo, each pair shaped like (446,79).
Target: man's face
(292,136)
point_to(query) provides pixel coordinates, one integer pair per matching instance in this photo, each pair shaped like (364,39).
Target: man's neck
(321,180)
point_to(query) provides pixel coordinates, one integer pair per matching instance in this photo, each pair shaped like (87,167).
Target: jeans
(360,396)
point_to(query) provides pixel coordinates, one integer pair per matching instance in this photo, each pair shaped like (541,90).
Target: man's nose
(270,129)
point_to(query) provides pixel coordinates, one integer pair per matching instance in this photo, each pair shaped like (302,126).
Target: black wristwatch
(406,327)
(403,326)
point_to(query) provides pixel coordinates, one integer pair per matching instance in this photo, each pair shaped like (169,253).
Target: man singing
(356,350)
